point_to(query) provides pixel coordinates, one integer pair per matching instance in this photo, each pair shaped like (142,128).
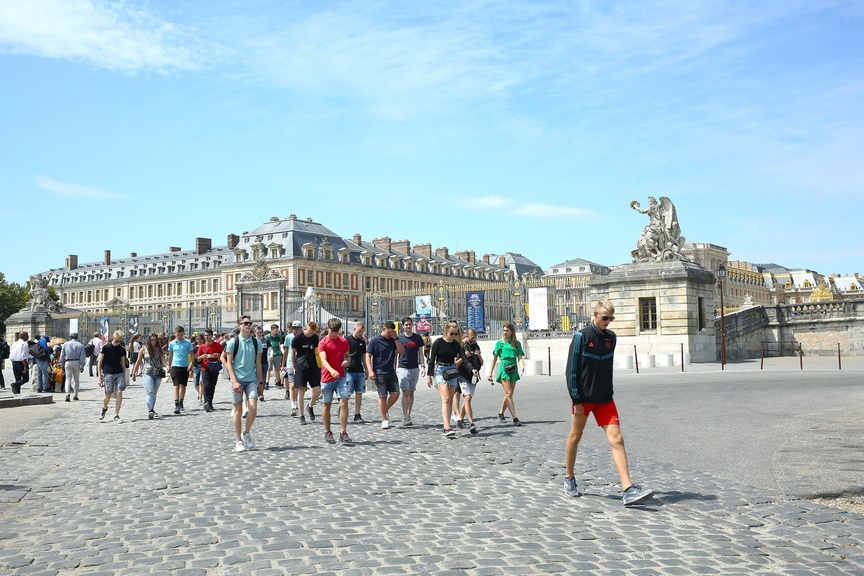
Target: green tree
(13,296)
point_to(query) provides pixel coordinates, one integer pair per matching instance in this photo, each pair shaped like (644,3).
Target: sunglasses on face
(245,323)
(454,333)
(607,318)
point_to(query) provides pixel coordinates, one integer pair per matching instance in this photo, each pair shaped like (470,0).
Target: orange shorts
(604,414)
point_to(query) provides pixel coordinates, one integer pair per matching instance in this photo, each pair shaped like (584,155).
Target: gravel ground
(850,502)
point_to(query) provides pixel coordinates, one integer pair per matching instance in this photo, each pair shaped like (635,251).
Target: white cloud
(113,35)
(74,190)
(536,210)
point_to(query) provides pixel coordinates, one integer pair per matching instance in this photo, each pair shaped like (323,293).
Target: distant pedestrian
(19,355)
(469,376)
(96,349)
(589,383)
(411,366)
(381,353)
(243,363)
(72,358)
(181,359)
(197,341)
(307,373)
(355,373)
(288,376)
(209,353)
(275,339)
(150,363)
(442,364)
(509,350)
(41,353)
(335,355)
(111,368)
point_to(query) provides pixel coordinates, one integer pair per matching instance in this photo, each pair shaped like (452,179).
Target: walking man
(274,341)
(288,366)
(412,365)
(355,373)
(41,354)
(209,353)
(97,344)
(307,374)
(243,363)
(181,359)
(72,358)
(381,367)
(111,368)
(19,354)
(589,383)
(335,356)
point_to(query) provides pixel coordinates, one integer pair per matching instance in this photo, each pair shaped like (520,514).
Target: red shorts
(604,414)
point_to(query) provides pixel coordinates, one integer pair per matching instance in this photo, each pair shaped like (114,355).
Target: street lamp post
(721,274)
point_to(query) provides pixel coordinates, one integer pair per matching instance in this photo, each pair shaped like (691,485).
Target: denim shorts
(468,387)
(250,388)
(387,384)
(339,386)
(356,382)
(408,378)
(114,382)
(439,375)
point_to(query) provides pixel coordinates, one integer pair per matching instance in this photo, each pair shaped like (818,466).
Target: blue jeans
(151,387)
(250,388)
(339,386)
(197,372)
(43,378)
(356,382)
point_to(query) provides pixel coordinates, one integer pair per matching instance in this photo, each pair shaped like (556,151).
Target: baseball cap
(296,324)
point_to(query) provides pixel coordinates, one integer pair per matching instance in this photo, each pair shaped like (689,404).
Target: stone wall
(818,328)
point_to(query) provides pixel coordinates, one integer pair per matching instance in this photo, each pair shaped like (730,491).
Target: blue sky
(492,126)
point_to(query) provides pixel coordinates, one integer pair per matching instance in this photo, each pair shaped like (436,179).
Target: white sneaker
(453,419)
(117,419)
(385,424)
(407,421)
(247,440)
(245,412)
(239,447)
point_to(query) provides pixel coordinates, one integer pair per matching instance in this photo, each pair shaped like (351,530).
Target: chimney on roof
(423,249)
(107,257)
(274,218)
(133,254)
(203,245)
(472,258)
(173,249)
(309,220)
(442,252)
(486,258)
(292,217)
(403,246)
(502,262)
(233,240)
(72,261)
(382,243)
(357,239)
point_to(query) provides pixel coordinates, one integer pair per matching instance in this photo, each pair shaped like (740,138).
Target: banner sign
(538,306)
(423,306)
(103,321)
(132,323)
(474,312)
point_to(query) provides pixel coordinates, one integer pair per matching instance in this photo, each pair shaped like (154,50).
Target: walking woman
(509,350)
(134,350)
(151,363)
(469,384)
(442,363)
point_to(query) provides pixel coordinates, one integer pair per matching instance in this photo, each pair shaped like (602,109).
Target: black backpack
(37,351)
(4,350)
(89,349)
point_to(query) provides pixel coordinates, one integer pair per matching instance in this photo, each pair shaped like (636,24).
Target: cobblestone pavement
(170,496)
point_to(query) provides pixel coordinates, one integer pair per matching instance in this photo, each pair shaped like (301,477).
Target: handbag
(450,373)
(301,363)
(160,373)
(214,366)
(510,368)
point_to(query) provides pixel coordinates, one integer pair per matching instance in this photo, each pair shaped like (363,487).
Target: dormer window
(308,251)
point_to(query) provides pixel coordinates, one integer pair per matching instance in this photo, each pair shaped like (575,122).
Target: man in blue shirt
(381,355)
(181,359)
(244,368)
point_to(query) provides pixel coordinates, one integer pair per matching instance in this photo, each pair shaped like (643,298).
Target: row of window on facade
(121,273)
(160,290)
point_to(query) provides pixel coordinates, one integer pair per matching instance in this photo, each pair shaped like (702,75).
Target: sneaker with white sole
(245,412)
(385,424)
(117,419)
(247,440)
(239,447)
(570,488)
(449,433)
(328,437)
(472,428)
(102,414)
(453,419)
(636,494)
(344,438)
(407,421)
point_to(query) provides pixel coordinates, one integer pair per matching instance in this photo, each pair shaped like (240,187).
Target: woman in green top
(509,350)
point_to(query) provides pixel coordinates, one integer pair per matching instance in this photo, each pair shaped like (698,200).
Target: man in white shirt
(96,342)
(19,354)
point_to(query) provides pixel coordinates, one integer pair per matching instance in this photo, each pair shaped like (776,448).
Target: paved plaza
(731,456)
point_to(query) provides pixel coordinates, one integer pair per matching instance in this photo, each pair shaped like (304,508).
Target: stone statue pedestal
(682,294)
(42,321)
